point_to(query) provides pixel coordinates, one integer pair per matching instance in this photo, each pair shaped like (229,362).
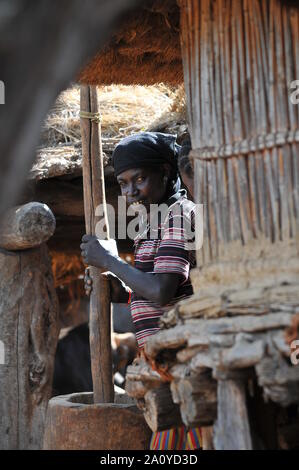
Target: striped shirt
(162,248)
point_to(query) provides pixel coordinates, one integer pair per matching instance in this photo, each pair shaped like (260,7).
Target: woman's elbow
(163,297)
(165,289)
(165,301)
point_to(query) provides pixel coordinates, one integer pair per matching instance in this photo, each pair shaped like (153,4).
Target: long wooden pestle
(94,195)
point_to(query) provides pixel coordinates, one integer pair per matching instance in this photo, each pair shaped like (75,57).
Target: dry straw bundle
(124,109)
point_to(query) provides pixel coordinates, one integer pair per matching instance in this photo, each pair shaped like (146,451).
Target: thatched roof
(124,109)
(144,50)
(57,161)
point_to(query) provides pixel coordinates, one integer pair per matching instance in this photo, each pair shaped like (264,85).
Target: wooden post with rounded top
(28,325)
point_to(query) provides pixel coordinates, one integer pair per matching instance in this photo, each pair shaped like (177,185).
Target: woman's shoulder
(179,221)
(182,207)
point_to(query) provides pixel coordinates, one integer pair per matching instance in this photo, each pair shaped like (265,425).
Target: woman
(146,169)
(185,166)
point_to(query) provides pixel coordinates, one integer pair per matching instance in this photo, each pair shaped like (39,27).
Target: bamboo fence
(240,58)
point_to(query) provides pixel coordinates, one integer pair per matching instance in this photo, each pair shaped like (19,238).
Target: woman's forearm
(159,288)
(146,285)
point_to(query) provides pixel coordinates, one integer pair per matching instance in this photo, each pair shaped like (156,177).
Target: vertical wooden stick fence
(240,58)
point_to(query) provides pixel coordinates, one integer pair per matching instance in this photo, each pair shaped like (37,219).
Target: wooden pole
(160,412)
(232,431)
(94,195)
(28,324)
(28,334)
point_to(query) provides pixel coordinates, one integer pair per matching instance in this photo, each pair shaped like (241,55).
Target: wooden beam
(197,397)
(160,412)
(232,431)
(29,333)
(94,195)
(26,226)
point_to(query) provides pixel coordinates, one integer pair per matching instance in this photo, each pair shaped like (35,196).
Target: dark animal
(72,369)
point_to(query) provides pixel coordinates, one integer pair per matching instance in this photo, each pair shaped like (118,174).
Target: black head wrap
(146,149)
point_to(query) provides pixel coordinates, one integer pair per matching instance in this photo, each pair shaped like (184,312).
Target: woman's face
(143,185)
